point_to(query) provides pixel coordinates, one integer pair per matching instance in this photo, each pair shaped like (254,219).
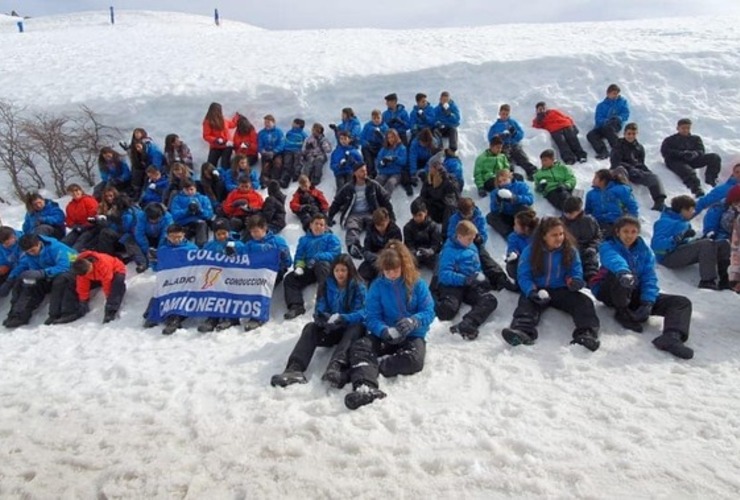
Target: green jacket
(487,165)
(557,175)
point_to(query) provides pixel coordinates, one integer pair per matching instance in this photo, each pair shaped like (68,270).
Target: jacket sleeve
(523,194)
(576,266)
(140,232)
(524,273)
(630,202)
(601,114)
(331,248)
(374,309)
(63,258)
(357,315)
(649,279)
(611,259)
(422,297)
(447,273)
(669,148)
(206,207)
(300,253)
(479,171)
(285,259)
(54,216)
(295,202)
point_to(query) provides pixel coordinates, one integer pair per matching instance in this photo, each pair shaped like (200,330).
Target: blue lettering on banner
(211,284)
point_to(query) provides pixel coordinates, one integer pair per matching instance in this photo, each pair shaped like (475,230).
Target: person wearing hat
(563,131)
(151,231)
(676,247)
(684,153)
(396,117)
(344,159)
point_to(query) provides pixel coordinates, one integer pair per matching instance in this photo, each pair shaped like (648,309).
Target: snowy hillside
(117,411)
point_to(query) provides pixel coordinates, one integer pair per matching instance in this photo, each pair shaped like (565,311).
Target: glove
(334,319)
(220,141)
(311,263)
(446,105)
(124,145)
(709,235)
(152,186)
(575,284)
(152,254)
(238,203)
(84,308)
(541,186)
(243,145)
(512,130)
(642,313)
(216,173)
(321,319)
(193,208)
(419,112)
(6,287)
(392,336)
(478,240)
(424,253)
(689,233)
(330,222)
(407,325)
(96,219)
(690,155)
(77,229)
(627,280)
(246,208)
(504,194)
(342,162)
(33,275)
(480,277)
(333,126)
(511,257)
(230,248)
(387,160)
(539,297)
(299,271)
(229,144)
(482,193)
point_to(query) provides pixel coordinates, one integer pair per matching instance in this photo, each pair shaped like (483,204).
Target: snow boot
(708,285)
(150,323)
(361,396)
(51,320)
(109,316)
(516,337)
(466,329)
(171,325)
(294,311)
(252,324)
(67,318)
(586,338)
(658,205)
(14,322)
(355,252)
(624,318)
(208,325)
(336,375)
(225,324)
(671,342)
(292,375)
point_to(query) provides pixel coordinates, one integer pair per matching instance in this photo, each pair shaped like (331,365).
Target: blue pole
(20,26)
(215,17)
(112,15)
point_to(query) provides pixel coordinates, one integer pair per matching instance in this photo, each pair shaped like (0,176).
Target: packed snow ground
(117,411)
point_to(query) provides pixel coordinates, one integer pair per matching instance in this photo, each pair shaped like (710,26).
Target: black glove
(539,298)
(230,248)
(387,160)
(482,193)
(333,126)
(424,253)
(642,313)
(512,130)
(330,222)
(627,280)
(392,336)
(478,240)
(124,145)
(321,319)
(77,229)
(84,308)
(407,325)
(152,254)
(193,208)
(541,186)
(689,233)
(575,284)
(33,275)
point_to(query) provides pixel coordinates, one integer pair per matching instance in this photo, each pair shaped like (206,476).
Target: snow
(91,410)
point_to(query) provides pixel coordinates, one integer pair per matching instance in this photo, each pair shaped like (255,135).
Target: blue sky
(296,14)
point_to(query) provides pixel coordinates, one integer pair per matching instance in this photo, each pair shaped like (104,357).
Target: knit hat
(734,195)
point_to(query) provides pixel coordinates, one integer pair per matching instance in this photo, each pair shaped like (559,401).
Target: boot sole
(515,337)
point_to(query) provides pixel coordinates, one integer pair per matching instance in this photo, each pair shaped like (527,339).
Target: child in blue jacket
(371,138)
(448,119)
(337,321)
(675,245)
(610,198)
(316,250)
(343,160)
(550,274)
(391,162)
(511,133)
(628,282)
(396,117)
(270,145)
(151,231)
(525,222)
(193,211)
(399,310)
(461,279)
(509,197)
(292,152)
(43,217)
(611,114)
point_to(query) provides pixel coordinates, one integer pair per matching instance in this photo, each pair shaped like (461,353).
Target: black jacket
(425,235)
(585,230)
(375,242)
(627,154)
(344,200)
(674,146)
(274,212)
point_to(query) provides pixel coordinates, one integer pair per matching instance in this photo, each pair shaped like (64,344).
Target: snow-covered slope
(117,411)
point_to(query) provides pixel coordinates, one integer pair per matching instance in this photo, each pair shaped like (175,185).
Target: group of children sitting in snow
(378,315)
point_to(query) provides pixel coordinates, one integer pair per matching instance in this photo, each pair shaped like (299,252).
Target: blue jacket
(51,214)
(608,205)
(351,157)
(269,242)
(294,139)
(54,259)
(180,212)
(166,245)
(554,275)
(716,195)
(638,260)
(612,108)
(11,256)
(516,242)
(713,222)
(398,120)
(230,183)
(523,198)
(156,195)
(373,135)
(145,230)
(388,301)
(478,220)
(668,233)
(324,247)
(272,140)
(220,246)
(398,156)
(154,155)
(509,130)
(353,126)
(420,118)
(120,172)
(457,263)
(125,226)
(418,156)
(449,117)
(348,302)
(454,167)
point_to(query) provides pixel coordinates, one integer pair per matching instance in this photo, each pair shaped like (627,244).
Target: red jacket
(250,140)
(79,210)
(254,200)
(553,121)
(210,135)
(295,201)
(104,268)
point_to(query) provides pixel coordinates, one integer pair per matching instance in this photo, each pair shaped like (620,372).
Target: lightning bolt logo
(211,277)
